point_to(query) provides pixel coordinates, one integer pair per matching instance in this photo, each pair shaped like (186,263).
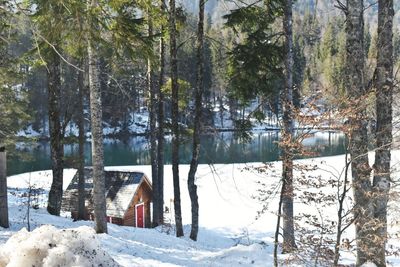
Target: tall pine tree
(199,90)
(175,117)
(99,196)
(49,18)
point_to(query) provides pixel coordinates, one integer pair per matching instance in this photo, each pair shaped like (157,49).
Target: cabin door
(140,215)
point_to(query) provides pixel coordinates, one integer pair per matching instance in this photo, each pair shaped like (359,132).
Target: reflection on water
(219,148)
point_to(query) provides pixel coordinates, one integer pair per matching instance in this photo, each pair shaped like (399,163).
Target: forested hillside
(319,44)
(326,9)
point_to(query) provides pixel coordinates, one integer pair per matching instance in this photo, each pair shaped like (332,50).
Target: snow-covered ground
(232,232)
(49,246)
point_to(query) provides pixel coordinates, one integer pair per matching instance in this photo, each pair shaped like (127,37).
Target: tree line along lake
(219,148)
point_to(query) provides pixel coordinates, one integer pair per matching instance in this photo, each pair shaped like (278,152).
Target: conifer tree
(288,133)
(12,102)
(253,75)
(48,36)
(13,105)
(158,213)
(199,90)
(175,117)
(99,196)
(153,131)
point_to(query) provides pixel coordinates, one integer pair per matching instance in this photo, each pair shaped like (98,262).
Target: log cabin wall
(143,194)
(129,217)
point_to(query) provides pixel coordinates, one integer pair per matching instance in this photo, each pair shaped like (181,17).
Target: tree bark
(278,225)
(160,137)
(384,113)
(287,136)
(3,190)
(81,149)
(153,131)
(97,132)
(341,201)
(199,90)
(56,135)
(175,117)
(358,138)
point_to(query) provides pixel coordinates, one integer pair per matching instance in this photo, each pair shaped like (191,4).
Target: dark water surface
(220,148)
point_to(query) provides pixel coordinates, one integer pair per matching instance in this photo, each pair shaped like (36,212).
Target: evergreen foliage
(255,61)
(13,105)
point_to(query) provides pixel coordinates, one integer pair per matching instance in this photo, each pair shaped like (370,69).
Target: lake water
(219,148)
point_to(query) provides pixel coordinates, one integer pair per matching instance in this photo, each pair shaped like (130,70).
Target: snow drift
(48,246)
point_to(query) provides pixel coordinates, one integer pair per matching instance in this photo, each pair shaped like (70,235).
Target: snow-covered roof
(121,192)
(120,188)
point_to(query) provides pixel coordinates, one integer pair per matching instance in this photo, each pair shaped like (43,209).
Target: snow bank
(48,246)
(369,264)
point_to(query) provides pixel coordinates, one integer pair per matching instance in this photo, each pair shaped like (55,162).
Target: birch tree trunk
(287,135)
(3,190)
(358,138)
(81,149)
(384,138)
(175,117)
(197,123)
(97,131)
(56,135)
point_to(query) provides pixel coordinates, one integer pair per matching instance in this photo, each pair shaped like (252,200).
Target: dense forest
(73,72)
(319,45)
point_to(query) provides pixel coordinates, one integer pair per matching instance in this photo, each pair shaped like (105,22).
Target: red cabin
(128,198)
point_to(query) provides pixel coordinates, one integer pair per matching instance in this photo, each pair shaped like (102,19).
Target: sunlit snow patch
(48,246)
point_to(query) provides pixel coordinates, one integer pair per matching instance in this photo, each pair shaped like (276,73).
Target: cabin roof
(120,187)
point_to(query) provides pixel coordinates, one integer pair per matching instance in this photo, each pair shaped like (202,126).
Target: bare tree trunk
(358,138)
(175,117)
(221,110)
(153,131)
(81,139)
(3,189)
(287,135)
(384,138)
(160,137)
(278,225)
(97,133)
(341,199)
(56,135)
(197,123)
